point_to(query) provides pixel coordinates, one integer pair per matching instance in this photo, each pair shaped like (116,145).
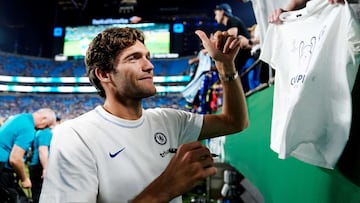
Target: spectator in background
(39,159)
(236,27)
(202,65)
(120,152)
(16,136)
(206,90)
(251,68)
(204,101)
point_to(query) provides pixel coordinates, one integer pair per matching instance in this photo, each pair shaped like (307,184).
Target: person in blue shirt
(38,162)
(16,136)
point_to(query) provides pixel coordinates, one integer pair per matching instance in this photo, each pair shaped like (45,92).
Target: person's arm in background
(233,31)
(44,140)
(293,5)
(16,161)
(193,60)
(43,156)
(337,1)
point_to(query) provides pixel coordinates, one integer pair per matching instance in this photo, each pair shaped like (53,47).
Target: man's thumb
(205,40)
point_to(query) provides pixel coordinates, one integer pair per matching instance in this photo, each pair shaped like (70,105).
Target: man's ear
(102,75)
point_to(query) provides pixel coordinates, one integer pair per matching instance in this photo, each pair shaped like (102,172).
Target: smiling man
(119,152)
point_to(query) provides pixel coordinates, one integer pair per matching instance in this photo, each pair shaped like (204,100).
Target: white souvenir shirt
(315,53)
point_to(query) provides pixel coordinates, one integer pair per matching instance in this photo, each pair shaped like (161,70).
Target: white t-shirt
(98,157)
(262,10)
(316,54)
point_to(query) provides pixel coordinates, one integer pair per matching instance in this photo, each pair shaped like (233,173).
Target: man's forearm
(43,156)
(234,102)
(19,168)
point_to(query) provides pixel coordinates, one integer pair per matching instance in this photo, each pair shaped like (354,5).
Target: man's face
(219,15)
(133,78)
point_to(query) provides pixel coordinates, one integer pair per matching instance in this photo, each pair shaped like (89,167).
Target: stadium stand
(70,105)
(18,65)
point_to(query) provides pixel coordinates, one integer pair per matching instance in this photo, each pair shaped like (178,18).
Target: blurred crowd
(19,65)
(69,106)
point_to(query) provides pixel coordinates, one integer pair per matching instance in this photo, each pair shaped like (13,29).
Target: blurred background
(27,27)
(41,52)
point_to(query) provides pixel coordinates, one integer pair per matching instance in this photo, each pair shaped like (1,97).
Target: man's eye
(131,58)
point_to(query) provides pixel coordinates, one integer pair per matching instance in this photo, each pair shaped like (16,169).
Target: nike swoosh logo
(116,153)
